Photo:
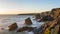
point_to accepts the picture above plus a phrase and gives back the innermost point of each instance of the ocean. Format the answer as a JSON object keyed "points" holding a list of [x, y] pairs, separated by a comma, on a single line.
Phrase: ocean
{"points": [[6, 20]]}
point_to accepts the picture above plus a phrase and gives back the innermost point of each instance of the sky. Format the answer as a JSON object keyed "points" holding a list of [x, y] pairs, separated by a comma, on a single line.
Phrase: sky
{"points": [[27, 6]]}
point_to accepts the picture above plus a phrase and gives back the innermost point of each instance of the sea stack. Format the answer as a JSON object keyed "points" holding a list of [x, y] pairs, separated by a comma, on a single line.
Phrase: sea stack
{"points": [[28, 21], [13, 27]]}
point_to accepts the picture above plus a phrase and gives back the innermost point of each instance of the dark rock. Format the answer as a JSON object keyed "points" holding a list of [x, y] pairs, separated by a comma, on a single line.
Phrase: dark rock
{"points": [[59, 31], [58, 21], [49, 18], [22, 29], [37, 16], [13, 27], [28, 21], [46, 18], [31, 28], [26, 29]]}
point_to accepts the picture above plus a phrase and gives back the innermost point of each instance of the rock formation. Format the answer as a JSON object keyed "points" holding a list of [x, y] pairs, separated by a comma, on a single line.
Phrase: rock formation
{"points": [[13, 27], [51, 25], [26, 29], [22, 29], [37, 16], [55, 12], [28, 21], [52, 22]]}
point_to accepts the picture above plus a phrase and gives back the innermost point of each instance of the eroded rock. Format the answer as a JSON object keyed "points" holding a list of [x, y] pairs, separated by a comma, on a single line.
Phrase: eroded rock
{"points": [[28, 21], [55, 12], [13, 27], [26, 29], [47, 18], [22, 29]]}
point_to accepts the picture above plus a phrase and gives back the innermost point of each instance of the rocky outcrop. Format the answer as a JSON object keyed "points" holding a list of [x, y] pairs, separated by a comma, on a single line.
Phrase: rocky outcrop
{"points": [[48, 15], [22, 29], [26, 29], [13, 27], [51, 25], [52, 22], [37, 16], [28, 21], [55, 12], [46, 18]]}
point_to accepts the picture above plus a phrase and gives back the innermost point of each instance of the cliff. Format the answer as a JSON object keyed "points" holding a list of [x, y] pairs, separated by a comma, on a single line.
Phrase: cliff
{"points": [[53, 26]]}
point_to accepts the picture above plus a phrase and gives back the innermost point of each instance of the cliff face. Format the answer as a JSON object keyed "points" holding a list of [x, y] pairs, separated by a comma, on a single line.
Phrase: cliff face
{"points": [[53, 26], [55, 12], [48, 15]]}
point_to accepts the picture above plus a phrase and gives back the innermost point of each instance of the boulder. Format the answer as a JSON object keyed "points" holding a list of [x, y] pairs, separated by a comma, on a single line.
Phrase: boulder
{"points": [[28, 21], [13, 27]]}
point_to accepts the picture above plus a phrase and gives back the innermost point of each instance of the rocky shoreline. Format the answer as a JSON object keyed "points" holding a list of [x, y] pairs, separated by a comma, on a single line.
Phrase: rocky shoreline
{"points": [[52, 21], [51, 25]]}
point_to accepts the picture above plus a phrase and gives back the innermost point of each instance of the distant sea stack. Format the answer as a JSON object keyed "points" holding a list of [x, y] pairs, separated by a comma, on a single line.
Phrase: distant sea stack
{"points": [[13, 27], [28, 21]]}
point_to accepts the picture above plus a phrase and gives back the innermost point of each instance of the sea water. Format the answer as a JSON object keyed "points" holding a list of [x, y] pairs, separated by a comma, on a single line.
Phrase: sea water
{"points": [[6, 20]]}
